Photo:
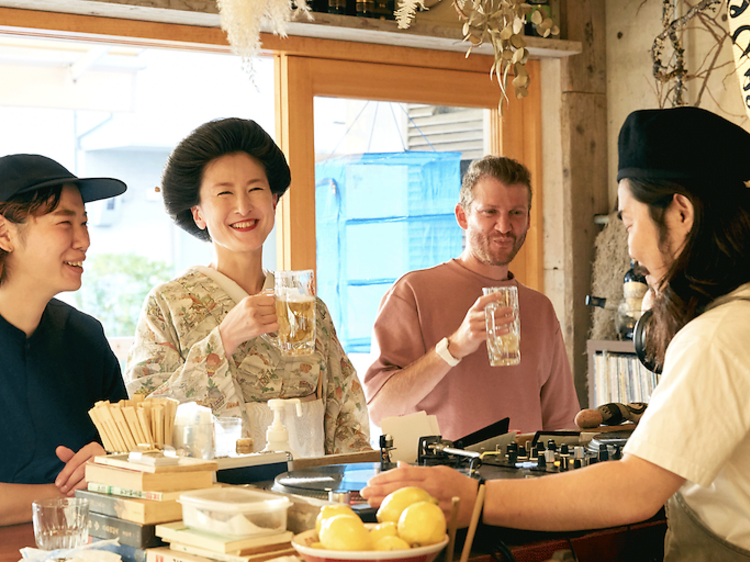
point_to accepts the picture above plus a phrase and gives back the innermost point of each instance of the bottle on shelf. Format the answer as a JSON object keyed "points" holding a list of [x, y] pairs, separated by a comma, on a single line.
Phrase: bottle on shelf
{"points": [[383, 9], [543, 5], [634, 288], [365, 8], [628, 311], [336, 7]]}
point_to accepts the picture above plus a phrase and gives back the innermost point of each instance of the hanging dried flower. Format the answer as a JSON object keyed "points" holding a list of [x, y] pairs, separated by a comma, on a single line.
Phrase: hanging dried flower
{"points": [[501, 23], [242, 21]]}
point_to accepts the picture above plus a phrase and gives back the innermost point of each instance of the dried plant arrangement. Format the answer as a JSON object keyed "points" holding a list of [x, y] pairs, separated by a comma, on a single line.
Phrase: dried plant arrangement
{"points": [[500, 23], [242, 21], [672, 76]]}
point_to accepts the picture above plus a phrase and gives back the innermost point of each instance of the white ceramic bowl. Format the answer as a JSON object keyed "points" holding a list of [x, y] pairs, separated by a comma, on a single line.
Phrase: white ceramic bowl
{"points": [[302, 542]]}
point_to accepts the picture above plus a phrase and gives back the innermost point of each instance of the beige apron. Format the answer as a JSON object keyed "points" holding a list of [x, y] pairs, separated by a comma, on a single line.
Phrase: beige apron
{"points": [[306, 433], [689, 540]]}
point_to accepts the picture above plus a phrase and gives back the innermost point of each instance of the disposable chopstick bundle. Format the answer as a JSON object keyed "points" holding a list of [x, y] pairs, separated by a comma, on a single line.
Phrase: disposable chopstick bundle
{"points": [[128, 424]]}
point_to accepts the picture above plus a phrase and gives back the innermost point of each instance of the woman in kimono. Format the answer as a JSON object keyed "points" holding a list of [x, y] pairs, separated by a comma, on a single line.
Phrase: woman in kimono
{"points": [[685, 204], [202, 336]]}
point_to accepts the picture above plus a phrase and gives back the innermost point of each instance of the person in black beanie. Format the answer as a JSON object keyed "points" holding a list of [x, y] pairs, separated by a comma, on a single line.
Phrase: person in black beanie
{"points": [[56, 362], [685, 204]]}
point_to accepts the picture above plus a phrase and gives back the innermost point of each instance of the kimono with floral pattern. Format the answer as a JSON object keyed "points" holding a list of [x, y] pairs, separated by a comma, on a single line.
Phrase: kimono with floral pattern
{"points": [[178, 352]]}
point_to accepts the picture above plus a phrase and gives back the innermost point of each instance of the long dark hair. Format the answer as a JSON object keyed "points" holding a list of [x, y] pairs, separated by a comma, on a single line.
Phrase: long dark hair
{"points": [[714, 260], [183, 175]]}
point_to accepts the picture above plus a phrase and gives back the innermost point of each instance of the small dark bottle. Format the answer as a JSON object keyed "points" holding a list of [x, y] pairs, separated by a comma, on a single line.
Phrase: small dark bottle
{"points": [[383, 9], [634, 288], [634, 276], [337, 7], [543, 5], [366, 8]]}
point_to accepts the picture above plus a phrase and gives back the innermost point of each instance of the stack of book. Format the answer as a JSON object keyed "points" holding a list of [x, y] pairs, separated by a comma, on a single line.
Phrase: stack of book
{"points": [[190, 545], [128, 499]]}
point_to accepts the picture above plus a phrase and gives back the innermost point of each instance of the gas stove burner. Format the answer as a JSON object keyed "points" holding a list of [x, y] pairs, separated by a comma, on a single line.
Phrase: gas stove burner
{"points": [[319, 481], [609, 439]]}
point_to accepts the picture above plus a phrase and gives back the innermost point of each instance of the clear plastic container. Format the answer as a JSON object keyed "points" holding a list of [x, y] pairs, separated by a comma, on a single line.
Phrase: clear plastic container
{"points": [[234, 512]]}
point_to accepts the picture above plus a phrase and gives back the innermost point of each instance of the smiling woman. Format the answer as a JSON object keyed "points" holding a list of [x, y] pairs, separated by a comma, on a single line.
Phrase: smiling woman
{"points": [[51, 248], [236, 206], [56, 361], [203, 335]]}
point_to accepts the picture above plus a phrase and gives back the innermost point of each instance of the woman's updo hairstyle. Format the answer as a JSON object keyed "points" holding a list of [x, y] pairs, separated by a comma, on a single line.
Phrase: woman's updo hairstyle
{"points": [[183, 174]]}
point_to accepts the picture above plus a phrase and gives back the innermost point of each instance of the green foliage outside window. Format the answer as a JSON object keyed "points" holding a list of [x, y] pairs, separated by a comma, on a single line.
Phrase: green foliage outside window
{"points": [[115, 286]]}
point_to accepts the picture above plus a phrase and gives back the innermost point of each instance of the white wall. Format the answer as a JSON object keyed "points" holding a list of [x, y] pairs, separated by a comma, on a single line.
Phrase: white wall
{"points": [[632, 26]]}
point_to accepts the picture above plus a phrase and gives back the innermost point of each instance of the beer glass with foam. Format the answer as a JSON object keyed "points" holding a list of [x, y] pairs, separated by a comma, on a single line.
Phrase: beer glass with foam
{"points": [[295, 309], [503, 340]]}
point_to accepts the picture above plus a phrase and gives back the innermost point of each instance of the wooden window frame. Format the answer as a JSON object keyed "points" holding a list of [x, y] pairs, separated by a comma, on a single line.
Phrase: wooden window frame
{"points": [[308, 67]]}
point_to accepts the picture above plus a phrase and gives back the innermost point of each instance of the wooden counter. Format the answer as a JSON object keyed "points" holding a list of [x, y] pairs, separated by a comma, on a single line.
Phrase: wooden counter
{"points": [[643, 542], [13, 539]]}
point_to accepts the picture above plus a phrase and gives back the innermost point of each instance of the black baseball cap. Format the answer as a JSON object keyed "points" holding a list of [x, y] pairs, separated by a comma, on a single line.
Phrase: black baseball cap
{"points": [[21, 173]]}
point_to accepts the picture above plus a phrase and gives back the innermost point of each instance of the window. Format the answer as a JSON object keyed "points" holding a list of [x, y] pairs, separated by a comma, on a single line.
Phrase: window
{"points": [[118, 111], [303, 69], [387, 178]]}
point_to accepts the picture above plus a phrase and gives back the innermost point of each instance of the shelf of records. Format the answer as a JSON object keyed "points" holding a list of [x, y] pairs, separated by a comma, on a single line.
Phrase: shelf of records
{"points": [[616, 375]]}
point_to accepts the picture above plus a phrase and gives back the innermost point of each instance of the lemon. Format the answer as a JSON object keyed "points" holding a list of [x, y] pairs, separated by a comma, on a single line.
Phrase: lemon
{"points": [[316, 545], [422, 524], [345, 532], [385, 529], [391, 542], [395, 502], [329, 511]]}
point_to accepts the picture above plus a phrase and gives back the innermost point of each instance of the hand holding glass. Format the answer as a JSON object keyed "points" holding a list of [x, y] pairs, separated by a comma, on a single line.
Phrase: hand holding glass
{"points": [[295, 310], [60, 522], [503, 340]]}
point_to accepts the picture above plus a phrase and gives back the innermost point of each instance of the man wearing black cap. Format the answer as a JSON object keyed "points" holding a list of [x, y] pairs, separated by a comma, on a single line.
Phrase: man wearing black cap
{"points": [[56, 362]]}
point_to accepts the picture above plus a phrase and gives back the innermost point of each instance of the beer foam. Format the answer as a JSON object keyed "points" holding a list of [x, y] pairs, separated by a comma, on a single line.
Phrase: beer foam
{"points": [[293, 295]]}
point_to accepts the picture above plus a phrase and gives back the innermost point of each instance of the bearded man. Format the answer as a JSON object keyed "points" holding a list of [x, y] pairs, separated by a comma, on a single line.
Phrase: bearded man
{"points": [[429, 334]]}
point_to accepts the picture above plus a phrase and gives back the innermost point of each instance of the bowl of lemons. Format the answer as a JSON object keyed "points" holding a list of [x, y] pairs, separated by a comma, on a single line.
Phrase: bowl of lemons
{"points": [[410, 528]]}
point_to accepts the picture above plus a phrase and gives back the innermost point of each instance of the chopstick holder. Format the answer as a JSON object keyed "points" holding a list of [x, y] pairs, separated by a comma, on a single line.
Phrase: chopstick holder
{"points": [[478, 504]]}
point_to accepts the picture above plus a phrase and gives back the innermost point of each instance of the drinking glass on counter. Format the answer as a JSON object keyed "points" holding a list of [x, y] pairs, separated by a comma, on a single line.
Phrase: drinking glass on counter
{"points": [[295, 309], [227, 431], [60, 522], [503, 340]]}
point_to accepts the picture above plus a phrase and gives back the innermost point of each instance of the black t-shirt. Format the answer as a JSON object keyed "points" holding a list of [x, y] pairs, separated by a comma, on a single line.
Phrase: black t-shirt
{"points": [[48, 383]]}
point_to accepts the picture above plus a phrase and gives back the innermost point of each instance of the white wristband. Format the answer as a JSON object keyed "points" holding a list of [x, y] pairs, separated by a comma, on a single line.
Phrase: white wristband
{"points": [[442, 350]]}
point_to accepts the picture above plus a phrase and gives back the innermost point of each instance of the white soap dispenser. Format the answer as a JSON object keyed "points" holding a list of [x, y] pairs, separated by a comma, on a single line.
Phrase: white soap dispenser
{"points": [[277, 436]]}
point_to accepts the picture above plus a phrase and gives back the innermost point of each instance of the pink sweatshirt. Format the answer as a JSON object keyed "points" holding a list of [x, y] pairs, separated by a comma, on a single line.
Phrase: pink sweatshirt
{"points": [[427, 305]]}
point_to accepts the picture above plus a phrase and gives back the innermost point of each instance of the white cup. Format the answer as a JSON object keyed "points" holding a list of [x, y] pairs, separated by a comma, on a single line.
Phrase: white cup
{"points": [[503, 340], [194, 440], [227, 431], [60, 522]]}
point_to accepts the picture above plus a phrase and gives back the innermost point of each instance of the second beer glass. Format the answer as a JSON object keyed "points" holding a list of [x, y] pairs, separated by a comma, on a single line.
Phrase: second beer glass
{"points": [[295, 309], [504, 340]]}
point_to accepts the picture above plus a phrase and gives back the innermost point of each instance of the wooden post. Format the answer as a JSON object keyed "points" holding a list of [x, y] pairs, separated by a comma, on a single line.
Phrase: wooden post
{"points": [[585, 174]]}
